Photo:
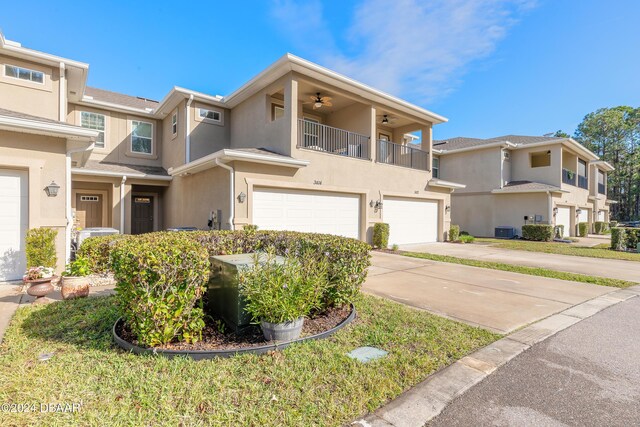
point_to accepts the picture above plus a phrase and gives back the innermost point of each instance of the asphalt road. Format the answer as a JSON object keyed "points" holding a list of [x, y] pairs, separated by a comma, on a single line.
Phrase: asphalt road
{"points": [[586, 375]]}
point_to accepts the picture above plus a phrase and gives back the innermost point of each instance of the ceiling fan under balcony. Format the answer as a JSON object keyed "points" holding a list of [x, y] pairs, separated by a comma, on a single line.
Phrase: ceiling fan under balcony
{"points": [[319, 101], [386, 119]]}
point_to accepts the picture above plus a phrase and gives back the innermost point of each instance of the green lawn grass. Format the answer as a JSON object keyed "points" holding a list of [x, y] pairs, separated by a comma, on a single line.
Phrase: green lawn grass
{"points": [[599, 251], [312, 383], [533, 271]]}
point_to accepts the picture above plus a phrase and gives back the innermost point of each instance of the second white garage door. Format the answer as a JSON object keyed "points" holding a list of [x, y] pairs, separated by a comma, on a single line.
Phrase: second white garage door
{"points": [[563, 217], [411, 220], [14, 218], [308, 211]]}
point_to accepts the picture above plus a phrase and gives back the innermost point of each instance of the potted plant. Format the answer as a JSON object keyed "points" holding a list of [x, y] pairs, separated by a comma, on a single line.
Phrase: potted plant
{"points": [[278, 294], [39, 281], [74, 283]]}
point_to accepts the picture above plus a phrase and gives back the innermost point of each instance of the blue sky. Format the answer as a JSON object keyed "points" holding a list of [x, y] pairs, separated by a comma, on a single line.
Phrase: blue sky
{"points": [[493, 67]]}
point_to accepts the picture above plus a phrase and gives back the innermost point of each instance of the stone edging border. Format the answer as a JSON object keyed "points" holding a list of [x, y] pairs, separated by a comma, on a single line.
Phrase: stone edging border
{"points": [[211, 354], [425, 401]]}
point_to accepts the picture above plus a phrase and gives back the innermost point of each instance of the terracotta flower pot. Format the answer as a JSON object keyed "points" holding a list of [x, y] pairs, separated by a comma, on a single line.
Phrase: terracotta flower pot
{"points": [[74, 287], [39, 288]]}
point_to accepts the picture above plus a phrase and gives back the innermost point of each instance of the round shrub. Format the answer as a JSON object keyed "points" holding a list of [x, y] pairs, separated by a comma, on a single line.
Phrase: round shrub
{"points": [[633, 235], [599, 227], [161, 279], [618, 239], [454, 233], [538, 232], [380, 235], [467, 238], [41, 247], [583, 229]]}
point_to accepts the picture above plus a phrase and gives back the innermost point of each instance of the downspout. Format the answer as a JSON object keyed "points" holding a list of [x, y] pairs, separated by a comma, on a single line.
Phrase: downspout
{"points": [[231, 191], [187, 130], [124, 179], [550, 208], [67, 195], [63, 93]]}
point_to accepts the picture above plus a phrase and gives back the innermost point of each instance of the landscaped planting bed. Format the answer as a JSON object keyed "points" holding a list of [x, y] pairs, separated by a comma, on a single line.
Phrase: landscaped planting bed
{"points": [[310, 383]]}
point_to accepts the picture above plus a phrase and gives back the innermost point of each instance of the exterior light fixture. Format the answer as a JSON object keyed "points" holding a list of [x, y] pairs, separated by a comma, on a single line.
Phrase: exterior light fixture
{"points": [[447, 209], [52, 189], [578, 212], [385, 120], [376, 205], [242, 197], [555, 210], [371, 203]]}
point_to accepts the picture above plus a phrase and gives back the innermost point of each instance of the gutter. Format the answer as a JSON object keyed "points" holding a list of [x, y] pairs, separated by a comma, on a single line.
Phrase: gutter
{"points": [[91, 172], [62, 91], [67, 194], [187, 131], [501, 144], [231, 191], [122, 197]]}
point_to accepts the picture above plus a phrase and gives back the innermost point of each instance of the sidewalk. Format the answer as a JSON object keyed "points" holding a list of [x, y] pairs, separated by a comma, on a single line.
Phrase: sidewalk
{"points": [[422, 403], [612, 268]]}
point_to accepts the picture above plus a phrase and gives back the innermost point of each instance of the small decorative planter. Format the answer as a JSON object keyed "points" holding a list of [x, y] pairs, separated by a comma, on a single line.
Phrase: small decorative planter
{"points": [[286, 331], [74, 287], [40, 288]]}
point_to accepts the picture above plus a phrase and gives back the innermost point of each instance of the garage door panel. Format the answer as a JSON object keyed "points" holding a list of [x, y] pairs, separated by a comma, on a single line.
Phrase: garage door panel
{"points": [[563, 217], [307, 211], [411, 220], [13, 223], [584, 216]]}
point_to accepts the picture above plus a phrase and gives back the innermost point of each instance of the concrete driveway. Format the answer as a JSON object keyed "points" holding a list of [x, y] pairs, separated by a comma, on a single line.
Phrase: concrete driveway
{"points": [[612, 268], [496, 300]]}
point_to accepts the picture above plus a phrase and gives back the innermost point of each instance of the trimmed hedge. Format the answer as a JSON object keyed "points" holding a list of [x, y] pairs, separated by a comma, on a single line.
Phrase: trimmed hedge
{"points": [[583, 229], [538, 232], [454, 233], [40, 247], [161, 279], [97, 250], [600, 227], [380, 235], [618, 239], [633, 235]]}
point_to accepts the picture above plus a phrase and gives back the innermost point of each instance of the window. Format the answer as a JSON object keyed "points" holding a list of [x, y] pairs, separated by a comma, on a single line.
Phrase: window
{"points": [[24, 74], [174, 124], [94, 121], [89, 198], [211, 115], [601, 185], [582, 174], [541, 159], [277, 111], [141, 137], [435, 168]]}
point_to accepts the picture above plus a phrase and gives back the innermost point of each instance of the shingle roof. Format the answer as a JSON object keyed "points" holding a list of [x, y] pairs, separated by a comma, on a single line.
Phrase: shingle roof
{"points": [[519, 186], [120, 98], [462, 142], [18, 115], [124, 168], [262, 151]]}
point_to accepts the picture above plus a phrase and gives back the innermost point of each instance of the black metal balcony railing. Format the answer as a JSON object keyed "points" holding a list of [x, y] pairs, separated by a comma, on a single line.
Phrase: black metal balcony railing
{"points": [[315, 136], [568, 177], [601, 189], [402, 155], [583, 182]]}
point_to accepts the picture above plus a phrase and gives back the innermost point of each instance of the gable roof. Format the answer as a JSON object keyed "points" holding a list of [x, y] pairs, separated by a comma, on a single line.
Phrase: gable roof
{"points": [[462, 142], [120, 98], [527, 187]]}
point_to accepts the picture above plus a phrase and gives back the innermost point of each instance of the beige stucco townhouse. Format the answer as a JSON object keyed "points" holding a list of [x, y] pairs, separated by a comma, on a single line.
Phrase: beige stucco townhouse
{"points": [[298, 147], [549, 180]]}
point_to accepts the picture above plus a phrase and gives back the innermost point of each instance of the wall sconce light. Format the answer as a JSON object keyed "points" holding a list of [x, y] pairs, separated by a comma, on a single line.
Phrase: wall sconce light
{"points": [[578, 212], [555, 211], [52, 189], [376, 205], [447, 209], [242, 197]]}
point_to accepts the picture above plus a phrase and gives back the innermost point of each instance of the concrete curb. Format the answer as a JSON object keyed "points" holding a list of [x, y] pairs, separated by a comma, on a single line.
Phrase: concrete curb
{"points": [[426, 400]]}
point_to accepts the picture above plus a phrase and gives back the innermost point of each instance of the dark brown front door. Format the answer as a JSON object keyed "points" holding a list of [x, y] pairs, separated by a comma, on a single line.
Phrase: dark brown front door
{"points": [[89, 210], [142, 215]]}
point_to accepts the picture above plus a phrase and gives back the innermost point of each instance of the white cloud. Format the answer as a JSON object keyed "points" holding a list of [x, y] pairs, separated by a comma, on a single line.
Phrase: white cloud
{"points": [[416, 49]]}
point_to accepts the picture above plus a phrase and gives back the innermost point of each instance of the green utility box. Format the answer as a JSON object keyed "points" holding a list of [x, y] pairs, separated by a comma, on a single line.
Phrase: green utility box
{"points": [[223, 296]]}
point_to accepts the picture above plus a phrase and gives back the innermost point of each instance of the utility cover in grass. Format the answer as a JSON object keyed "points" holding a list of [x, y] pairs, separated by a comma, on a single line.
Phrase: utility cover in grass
{"points": [[367, 354]]}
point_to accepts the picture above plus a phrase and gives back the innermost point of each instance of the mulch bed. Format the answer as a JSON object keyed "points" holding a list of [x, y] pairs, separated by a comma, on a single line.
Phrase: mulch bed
{"points": [[214, 339]]}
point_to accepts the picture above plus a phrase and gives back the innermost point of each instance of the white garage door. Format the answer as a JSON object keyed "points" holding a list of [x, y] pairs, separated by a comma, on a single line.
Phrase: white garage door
{"points": [[411, 220], [14, 219], [584, 215], [600, 215], [308, 211], [563, 217]]}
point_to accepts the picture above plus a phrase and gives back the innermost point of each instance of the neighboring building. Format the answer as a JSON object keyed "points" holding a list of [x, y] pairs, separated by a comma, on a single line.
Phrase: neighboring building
{"points": [[269, 154], [550, 180]]}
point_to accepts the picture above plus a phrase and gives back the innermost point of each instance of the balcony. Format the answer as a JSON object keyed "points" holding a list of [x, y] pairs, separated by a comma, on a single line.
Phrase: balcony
{"points": [[402, 155], [568, 177], [601, 189], [583, 182], [327, 139]]}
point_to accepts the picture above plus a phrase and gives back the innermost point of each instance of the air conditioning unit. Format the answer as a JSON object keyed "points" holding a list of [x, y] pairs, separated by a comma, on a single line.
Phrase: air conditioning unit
{"points": [[505, 232], [93, 232]]}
